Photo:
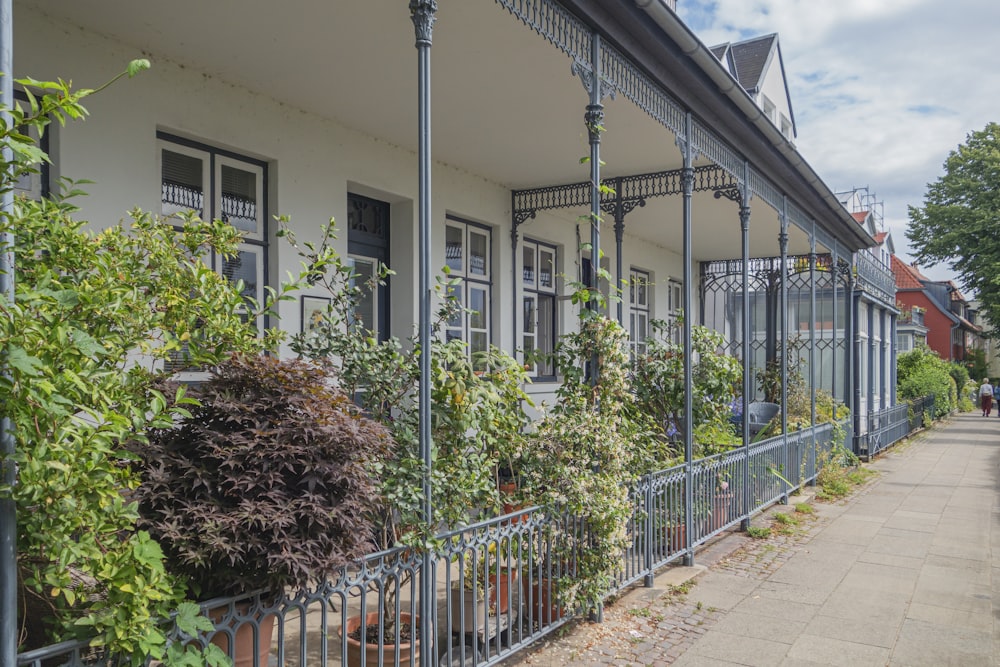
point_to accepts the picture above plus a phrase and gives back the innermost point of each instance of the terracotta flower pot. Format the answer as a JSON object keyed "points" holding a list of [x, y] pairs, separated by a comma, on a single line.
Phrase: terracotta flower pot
{"points": [[508, 489], [243, 649], [355, 648], [675, 537], [720, 510], [544, 606]]}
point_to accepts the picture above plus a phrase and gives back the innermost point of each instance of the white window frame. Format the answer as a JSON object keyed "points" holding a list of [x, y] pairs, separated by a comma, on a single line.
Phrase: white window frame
{"points": [[639, 310], [472, 281], [535, 290]]}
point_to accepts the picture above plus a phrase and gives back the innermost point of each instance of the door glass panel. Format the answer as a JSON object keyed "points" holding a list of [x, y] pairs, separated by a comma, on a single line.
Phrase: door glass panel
{"points": [[366, 311], [546, 269], [477, 253], [477, 345], [239, 198], [528, 255], [477, 302], [456, 320], [182, 186], [546, 326], [243, 266], [453, 248], [529, 315]]}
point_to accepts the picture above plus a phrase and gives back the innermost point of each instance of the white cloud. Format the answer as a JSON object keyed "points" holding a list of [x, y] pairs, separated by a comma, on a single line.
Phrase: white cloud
{"points": [[882, 90]]}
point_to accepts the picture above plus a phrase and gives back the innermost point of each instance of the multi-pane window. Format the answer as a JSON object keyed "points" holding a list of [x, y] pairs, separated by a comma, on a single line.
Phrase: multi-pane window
{"points": [[467, 255], [217, 184], [538, 316], [675, 309], [640, 289]]}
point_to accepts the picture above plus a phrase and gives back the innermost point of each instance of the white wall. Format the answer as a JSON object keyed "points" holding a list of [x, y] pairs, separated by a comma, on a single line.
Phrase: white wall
{"points": [[313, 163], [773, 87]]}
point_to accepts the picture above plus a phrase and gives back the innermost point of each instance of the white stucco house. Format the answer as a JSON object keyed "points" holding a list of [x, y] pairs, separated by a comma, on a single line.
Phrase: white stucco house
{"points": [[310, 111]]}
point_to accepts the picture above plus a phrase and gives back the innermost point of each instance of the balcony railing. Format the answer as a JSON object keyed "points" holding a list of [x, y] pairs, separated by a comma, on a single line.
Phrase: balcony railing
{"points": [[875, 278]]}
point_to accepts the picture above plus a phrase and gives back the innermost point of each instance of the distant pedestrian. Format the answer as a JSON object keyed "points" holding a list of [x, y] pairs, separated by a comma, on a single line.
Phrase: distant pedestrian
{"points": [[996, 395], [986, 397]]}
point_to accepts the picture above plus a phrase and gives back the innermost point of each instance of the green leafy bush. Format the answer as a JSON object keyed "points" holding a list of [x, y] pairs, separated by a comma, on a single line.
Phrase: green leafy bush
{"points": [[477, 404], [921, 372], [580, 458], [658, 382]]}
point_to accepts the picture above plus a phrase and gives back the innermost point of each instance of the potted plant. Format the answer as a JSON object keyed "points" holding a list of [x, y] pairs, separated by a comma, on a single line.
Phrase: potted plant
{"points": [[266, 485], [484, 591]]}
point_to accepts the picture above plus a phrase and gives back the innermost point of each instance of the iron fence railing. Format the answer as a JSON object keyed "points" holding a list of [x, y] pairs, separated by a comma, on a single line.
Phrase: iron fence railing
{"points": [[888, 426], [496, 581]]}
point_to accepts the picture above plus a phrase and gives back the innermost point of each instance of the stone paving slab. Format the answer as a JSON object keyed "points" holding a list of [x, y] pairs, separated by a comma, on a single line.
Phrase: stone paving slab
{"points": [[900, 574]]}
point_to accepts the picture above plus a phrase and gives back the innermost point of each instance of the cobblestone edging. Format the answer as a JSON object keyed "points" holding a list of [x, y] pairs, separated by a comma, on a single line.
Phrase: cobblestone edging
{"points": [[654, 627]]}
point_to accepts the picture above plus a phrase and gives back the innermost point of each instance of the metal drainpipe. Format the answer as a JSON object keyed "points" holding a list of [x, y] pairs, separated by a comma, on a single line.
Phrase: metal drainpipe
{"points": [[687, 181], [8, 509], [422, 12]]}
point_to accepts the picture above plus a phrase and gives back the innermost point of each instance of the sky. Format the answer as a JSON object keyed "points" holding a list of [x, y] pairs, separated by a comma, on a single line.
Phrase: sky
{"points": [[882, 90]]}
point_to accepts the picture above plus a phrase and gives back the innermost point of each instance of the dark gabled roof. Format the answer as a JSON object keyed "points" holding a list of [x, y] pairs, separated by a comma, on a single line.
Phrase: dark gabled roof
{"points": [[720, 50], [748, 59]]}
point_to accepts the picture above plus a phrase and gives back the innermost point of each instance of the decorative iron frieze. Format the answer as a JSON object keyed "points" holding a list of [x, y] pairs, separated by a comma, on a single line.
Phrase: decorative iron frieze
{"points": [[630, 191]]}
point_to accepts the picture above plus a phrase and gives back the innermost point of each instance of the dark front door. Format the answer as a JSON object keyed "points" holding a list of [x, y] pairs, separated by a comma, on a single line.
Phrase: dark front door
{"points": [[367, 248]]}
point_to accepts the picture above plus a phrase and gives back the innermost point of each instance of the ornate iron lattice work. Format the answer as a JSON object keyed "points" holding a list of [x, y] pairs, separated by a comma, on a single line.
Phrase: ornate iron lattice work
{"points": [[630, 191], [563, 30], [711, 147], [640, 90], [763, 188], [722, 310], [798, 218]]}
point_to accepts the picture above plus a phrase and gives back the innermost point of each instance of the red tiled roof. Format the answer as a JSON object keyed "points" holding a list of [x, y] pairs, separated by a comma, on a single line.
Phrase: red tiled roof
{"points": [[880, 237], [860, 217], [907, 277]]}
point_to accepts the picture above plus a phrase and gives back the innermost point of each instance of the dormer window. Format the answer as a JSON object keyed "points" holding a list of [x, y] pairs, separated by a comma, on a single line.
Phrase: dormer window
{"points": [[768, 107]]}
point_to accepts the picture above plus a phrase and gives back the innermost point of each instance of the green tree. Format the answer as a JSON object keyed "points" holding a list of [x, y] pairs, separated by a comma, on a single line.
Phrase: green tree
{"points": [[959, 219]]}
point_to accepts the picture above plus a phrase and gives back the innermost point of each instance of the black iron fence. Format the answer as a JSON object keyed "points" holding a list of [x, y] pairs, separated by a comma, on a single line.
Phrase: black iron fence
{"points": [[497, 582]]}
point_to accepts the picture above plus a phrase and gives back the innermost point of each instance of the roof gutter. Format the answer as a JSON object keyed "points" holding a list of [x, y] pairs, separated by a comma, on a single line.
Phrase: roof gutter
{"points": [[692, 47]]}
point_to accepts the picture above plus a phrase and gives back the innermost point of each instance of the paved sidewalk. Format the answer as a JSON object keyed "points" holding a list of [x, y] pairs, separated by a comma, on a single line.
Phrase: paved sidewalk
{"points": [[899, 574]]}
